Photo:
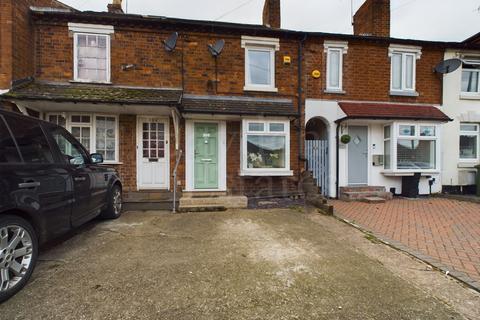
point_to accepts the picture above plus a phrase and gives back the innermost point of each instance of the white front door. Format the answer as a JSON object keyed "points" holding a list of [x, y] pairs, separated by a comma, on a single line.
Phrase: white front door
{"points": [[153, 153]]}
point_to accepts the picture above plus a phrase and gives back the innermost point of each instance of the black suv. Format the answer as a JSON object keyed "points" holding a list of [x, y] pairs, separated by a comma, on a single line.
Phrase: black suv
{"points": [[49, 184]]}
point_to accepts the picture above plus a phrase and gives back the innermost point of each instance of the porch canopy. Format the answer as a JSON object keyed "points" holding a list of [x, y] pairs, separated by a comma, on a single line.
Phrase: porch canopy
{"points": [[51, 97], [235, 106], [385, 111]]}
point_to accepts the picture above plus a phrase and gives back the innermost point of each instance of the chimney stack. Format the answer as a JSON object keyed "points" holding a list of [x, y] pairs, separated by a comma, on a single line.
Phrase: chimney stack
{"points": [[272, 14], [373, 19], [115, 7]]}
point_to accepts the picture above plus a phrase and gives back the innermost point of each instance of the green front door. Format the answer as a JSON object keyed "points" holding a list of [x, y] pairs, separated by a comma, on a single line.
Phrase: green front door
{"points": [[206, 156]]}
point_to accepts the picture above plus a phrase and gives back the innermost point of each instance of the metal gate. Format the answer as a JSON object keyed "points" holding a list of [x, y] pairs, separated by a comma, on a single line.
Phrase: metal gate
{"points": [[317, 162]]}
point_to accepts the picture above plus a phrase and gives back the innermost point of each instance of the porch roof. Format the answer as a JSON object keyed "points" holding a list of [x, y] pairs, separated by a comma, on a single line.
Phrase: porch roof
{"points": [[90, 93], [386, 111], [237, 105]]}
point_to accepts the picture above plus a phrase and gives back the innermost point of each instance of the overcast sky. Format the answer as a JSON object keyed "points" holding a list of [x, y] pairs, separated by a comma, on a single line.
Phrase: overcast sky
{"points": [[448, 20]]}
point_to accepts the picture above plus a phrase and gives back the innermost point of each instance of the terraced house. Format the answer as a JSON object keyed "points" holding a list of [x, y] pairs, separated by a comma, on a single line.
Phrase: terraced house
{"points": [[214, 104], [224, 111]]}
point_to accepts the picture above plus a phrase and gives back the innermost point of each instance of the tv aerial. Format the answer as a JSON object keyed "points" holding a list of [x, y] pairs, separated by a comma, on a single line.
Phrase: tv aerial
{"points": [[217, 48], [448, 66], [171, 43]]}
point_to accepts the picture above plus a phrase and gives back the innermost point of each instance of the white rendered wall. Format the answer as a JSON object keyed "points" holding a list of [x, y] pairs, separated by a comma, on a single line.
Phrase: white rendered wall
{"points": [[454, 171]]}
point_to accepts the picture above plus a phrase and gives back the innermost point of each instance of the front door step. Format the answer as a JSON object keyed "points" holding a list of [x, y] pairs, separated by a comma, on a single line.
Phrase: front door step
{"points": [[147, 200], [363, 192], [188, 203]]}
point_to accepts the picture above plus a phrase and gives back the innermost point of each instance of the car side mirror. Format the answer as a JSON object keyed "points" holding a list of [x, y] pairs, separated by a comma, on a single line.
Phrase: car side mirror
{"points": [[96, 158]]}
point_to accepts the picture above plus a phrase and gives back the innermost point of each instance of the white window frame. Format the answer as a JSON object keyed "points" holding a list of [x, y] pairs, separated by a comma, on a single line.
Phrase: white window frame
{"points": [[92, 30], [245, 171], [469, 134], [395, 136], [93, 129], [474, 62], [342, 48], [389, 139], [270, 45], [404, 51]]}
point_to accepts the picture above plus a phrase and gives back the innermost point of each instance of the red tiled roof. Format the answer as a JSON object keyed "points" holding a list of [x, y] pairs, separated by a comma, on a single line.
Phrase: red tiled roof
{"points": [[361, 110]]}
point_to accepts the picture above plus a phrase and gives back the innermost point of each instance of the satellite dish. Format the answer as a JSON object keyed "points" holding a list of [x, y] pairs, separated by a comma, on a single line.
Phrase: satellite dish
{"points": [[171, 42], [448, 66], [217, 48]]}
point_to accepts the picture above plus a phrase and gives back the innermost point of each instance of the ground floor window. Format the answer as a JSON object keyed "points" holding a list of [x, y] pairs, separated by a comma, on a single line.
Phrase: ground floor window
{"points": [[469, 141], [96, 132], [410, 147], [266, 147]]}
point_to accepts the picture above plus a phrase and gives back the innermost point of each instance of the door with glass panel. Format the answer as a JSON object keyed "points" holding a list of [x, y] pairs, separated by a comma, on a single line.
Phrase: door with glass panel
{"points": [[153, 155], [206, 156], [358, 155]]}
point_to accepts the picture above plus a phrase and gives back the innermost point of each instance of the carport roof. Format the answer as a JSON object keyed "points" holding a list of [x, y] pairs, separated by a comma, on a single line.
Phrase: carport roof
{"points": [[238, 105], [75, 92], [387, 111]]}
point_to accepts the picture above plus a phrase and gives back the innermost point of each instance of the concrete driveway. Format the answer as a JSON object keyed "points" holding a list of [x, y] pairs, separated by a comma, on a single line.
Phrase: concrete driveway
{"points": [[261, 264]]}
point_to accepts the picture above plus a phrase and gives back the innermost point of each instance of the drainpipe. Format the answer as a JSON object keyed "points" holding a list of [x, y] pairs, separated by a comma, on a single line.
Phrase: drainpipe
{"points": [[337, 159], [300, 101]]}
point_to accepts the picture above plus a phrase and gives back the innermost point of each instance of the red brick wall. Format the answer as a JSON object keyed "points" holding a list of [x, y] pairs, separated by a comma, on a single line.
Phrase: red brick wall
{"points": [[154, 67], [6, 26], [373, 18], [366, 73], [17, 39], [272, 13]]}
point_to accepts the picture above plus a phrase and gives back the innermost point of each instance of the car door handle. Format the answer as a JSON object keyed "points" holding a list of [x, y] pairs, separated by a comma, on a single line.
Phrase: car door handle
{"points": [[29, 185], [78, 179]]}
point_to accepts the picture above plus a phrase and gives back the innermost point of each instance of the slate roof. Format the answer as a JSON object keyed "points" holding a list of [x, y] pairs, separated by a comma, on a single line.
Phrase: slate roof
{"points": [[93, 94], [229, 105], [361, 110]]}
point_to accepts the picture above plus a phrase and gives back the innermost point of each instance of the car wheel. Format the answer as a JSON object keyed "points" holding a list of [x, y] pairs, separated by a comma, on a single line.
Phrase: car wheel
{"points": [[18, 254], [114, 206]]}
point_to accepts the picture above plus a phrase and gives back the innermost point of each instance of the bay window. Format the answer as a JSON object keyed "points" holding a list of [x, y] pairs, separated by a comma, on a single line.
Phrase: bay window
{"points": [[469, 141], [97, 133], [260, 63], [411, 147], [266, 147]]}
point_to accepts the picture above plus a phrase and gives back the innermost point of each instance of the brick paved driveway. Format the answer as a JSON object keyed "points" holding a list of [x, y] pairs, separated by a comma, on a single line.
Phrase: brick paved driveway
{"points": [[446, 230]]}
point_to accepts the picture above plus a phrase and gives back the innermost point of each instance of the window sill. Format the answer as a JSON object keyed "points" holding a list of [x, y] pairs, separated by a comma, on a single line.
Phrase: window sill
{"points": [[471, 164], [333, 91], [404, 93], [91, 82], [406, 173], [466, 96], [266, 173], [259, 89]]}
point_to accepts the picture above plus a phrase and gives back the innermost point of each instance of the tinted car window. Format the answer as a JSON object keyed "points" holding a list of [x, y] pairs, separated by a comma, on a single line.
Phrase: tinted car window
{"points": [[70, 150], [31, 141], [8, 150]]}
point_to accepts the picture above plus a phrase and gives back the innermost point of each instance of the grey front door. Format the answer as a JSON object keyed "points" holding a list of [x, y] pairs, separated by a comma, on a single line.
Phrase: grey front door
{"points": [[358, 155]]}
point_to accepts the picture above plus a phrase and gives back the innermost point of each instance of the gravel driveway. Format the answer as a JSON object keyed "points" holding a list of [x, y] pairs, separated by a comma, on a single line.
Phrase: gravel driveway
{"points": [[249, 264]]}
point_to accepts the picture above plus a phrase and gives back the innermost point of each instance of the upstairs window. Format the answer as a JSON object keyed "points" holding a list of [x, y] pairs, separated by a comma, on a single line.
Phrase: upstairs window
{"points": [[403, 70], [91, 52], [471, 76], [260, 63], [335, 51]]}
